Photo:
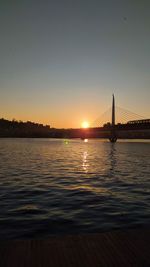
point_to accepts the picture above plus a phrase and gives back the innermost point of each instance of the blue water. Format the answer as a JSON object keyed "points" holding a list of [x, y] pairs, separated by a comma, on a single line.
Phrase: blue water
{"points": [[54, 186]]}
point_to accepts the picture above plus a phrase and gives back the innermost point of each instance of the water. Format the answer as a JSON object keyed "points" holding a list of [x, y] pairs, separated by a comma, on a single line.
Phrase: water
{"points": [[53, 186]]}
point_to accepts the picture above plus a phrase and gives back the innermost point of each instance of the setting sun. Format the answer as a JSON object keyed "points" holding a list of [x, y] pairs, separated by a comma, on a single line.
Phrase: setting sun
{"points": [[85, 124]]}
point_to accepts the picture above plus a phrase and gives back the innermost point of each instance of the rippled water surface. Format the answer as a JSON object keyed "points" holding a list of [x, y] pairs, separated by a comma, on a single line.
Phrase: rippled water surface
{"points": [[53, 186]]}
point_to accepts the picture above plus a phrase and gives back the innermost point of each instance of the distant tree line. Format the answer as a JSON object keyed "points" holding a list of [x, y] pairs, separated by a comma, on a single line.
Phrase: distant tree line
{"points": [[16, 128]]}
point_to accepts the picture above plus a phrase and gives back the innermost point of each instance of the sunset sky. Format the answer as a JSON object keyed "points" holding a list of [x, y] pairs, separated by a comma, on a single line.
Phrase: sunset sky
{"points": [[61, 60]]}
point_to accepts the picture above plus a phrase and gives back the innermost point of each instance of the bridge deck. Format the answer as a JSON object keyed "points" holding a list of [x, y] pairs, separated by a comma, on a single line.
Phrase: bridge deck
{"points": [[118, 248]]}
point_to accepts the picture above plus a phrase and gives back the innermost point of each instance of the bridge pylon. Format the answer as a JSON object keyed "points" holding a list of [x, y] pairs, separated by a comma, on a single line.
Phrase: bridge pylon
{"points": [[113, 137]]}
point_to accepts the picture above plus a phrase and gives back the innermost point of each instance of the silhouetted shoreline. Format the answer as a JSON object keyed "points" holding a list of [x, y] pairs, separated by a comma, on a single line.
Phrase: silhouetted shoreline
{"points": [[19, 129]]}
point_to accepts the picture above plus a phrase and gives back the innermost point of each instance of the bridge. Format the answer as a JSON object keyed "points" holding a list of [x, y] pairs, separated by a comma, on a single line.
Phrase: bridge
{"points": [[129, 125]]}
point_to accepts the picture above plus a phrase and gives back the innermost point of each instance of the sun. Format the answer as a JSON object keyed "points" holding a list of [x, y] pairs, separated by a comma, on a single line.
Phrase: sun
{"points": [[85, 124]]}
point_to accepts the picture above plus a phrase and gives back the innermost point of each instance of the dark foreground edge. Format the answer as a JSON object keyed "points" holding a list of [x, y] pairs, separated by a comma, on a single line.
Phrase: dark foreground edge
{"points": [[117, 248]]}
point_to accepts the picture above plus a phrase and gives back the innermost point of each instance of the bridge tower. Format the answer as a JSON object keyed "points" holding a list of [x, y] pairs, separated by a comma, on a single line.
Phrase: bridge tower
{"points": [[113, 137]]}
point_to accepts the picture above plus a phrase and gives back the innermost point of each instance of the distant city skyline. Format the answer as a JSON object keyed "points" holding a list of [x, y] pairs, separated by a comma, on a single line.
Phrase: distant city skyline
{"points": [[61, 60]]}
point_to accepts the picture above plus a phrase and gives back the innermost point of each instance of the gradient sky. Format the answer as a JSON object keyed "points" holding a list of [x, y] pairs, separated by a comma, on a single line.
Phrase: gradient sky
{"points": [[61, 60]]}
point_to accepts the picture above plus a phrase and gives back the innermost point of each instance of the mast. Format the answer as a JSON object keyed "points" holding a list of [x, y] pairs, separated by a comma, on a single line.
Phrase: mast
{"points": [[113, 111], [113, 137]]}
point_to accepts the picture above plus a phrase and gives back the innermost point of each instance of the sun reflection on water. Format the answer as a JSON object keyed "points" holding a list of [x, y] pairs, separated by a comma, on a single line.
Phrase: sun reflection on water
{"points": [[85, 164]]}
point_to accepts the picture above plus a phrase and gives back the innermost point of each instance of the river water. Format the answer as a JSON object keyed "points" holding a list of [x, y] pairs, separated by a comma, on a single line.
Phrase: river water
{"points": [[55, 186]]}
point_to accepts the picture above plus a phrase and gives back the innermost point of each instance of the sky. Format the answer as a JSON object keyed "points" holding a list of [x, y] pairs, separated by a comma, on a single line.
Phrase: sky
{"points": [[61, 60]]}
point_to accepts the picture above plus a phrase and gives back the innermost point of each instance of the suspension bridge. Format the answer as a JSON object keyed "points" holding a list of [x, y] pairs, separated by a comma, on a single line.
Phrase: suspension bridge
{"points": [[117, 122]]}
